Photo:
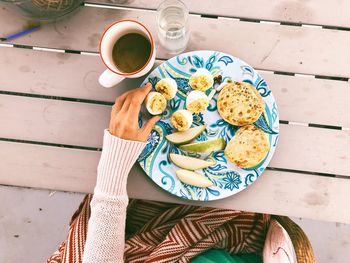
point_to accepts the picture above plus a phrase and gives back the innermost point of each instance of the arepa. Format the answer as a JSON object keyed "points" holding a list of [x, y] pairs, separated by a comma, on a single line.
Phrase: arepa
{"points": [[240, 103], [248, 147]]}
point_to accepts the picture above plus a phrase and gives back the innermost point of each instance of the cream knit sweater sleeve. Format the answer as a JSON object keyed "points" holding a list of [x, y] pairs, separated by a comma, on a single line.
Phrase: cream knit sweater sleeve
{"points": [[106, 229]]}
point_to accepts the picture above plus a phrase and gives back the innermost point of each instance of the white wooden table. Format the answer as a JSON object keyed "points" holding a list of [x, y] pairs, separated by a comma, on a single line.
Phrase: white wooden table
{"points": [[53, 111]]}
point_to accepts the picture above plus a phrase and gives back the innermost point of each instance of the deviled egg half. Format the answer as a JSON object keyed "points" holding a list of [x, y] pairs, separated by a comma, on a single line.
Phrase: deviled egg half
{"points": [[155, 103], [201, 80], [167, 87], [181, 120], [197, 101]]}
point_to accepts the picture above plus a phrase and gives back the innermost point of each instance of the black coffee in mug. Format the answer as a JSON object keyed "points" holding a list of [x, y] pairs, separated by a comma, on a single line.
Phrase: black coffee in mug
{"points": [[131, 52]]}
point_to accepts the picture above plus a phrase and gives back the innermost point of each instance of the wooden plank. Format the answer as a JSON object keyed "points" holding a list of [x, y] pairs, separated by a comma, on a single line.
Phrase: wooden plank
{"points": [[311, 100], [309, 12], [23, 217], [53, 121], [291, 194], [82, 124], [299, 99], [337, 235], [33, 222], [265, 46], [56, 74], [313, 149]]}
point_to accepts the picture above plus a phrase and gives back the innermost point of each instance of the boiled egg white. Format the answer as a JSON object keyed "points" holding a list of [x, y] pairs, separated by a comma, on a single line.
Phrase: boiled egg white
{"points": [[197, 101], [181, 120], [201, 80], [155, 103], [167, 87]]}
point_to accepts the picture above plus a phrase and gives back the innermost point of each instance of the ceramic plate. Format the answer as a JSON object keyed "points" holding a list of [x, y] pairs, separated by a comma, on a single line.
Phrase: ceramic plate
{"points": [[228, 179]]}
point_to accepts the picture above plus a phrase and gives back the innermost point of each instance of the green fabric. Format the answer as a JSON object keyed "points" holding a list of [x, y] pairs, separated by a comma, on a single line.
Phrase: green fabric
{"points": [[221, 256]]}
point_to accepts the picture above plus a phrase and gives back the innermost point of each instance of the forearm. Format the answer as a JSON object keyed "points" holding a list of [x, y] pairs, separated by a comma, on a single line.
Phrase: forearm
{"points": [[106, 230]]}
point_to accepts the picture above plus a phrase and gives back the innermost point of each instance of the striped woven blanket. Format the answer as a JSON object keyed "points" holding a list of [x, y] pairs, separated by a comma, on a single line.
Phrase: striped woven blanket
{"points": [[161, 232]]}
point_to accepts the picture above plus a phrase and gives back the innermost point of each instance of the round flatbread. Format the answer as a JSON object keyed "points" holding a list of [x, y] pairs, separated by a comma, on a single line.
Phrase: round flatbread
{"points": [[248, 147], [240, 103]]}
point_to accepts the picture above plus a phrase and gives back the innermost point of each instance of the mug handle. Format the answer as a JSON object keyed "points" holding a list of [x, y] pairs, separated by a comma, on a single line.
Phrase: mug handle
{"points": [[109, 79]]}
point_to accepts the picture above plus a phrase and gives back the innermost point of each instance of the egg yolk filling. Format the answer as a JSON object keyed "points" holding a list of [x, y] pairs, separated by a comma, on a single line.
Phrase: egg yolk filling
{"points": [[179, 121], [198, 105], [201, 83], [164, 89], [157, 104]]}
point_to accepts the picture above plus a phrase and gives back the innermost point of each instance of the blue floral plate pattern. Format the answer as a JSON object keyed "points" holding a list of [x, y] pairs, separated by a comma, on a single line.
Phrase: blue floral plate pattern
{"points": [[227, 178]]}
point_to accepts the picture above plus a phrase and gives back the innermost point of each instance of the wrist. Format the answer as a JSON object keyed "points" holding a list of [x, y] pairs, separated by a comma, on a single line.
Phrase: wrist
{"points": [[117, 158]]}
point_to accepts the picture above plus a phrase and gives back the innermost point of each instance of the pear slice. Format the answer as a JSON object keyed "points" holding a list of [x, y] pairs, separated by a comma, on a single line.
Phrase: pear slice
{"points": [[185, 136], [189, 163], [192, 178], [205, 146]]}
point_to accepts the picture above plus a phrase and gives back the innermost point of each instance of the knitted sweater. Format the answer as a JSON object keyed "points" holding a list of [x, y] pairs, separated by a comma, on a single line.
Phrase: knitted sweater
{"points": [[106, 230]]}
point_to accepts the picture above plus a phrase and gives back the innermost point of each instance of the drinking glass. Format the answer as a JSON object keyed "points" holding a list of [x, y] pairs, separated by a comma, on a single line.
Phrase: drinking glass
{"points": [[173, 29]]}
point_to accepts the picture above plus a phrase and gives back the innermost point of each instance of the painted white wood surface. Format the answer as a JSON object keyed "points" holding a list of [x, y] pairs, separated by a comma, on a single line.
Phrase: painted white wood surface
{"points": [[299, 99], [82, 124], [326, 12], [33, 222], [264, 46], [282, 193], [330, 241], [53, 121]]}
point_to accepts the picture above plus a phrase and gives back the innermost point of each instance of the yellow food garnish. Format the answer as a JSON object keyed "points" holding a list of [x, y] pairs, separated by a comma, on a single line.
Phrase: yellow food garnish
{"points": [[164, 88], [158, 103], [198, 105], [179, 121], [201, 83]]}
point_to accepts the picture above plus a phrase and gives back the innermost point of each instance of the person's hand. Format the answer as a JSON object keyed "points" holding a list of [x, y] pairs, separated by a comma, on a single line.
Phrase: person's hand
{"points": [[125, 112]]}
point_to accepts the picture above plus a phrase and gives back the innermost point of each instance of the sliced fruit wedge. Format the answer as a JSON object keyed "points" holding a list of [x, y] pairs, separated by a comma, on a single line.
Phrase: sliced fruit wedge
{"points": [[205, 146], [192, 178], [190, 163], [185, 136]]}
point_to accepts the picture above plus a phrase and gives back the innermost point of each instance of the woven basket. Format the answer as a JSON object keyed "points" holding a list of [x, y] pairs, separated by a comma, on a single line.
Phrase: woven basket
{"points": [[283, 235], [302, 246], [44, 10]]}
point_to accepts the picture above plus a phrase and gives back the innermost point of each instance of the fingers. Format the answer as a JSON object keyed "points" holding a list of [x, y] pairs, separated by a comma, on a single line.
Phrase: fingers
{"points": [[132, 97], [119, 101], [138, 95], [128, 105], [136, 101], [145, 90], [149, 125]]}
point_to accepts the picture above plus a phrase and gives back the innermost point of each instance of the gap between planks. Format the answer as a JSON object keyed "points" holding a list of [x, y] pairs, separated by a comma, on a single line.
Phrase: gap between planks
{"points": [[291, 194], [94, 149], [232, 18], [108, 103], [90, 53], [78, 52], [256, 51]]}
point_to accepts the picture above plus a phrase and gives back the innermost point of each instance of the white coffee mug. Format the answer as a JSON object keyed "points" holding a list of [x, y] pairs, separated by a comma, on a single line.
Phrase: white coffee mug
{"points": [[112, 75]]}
